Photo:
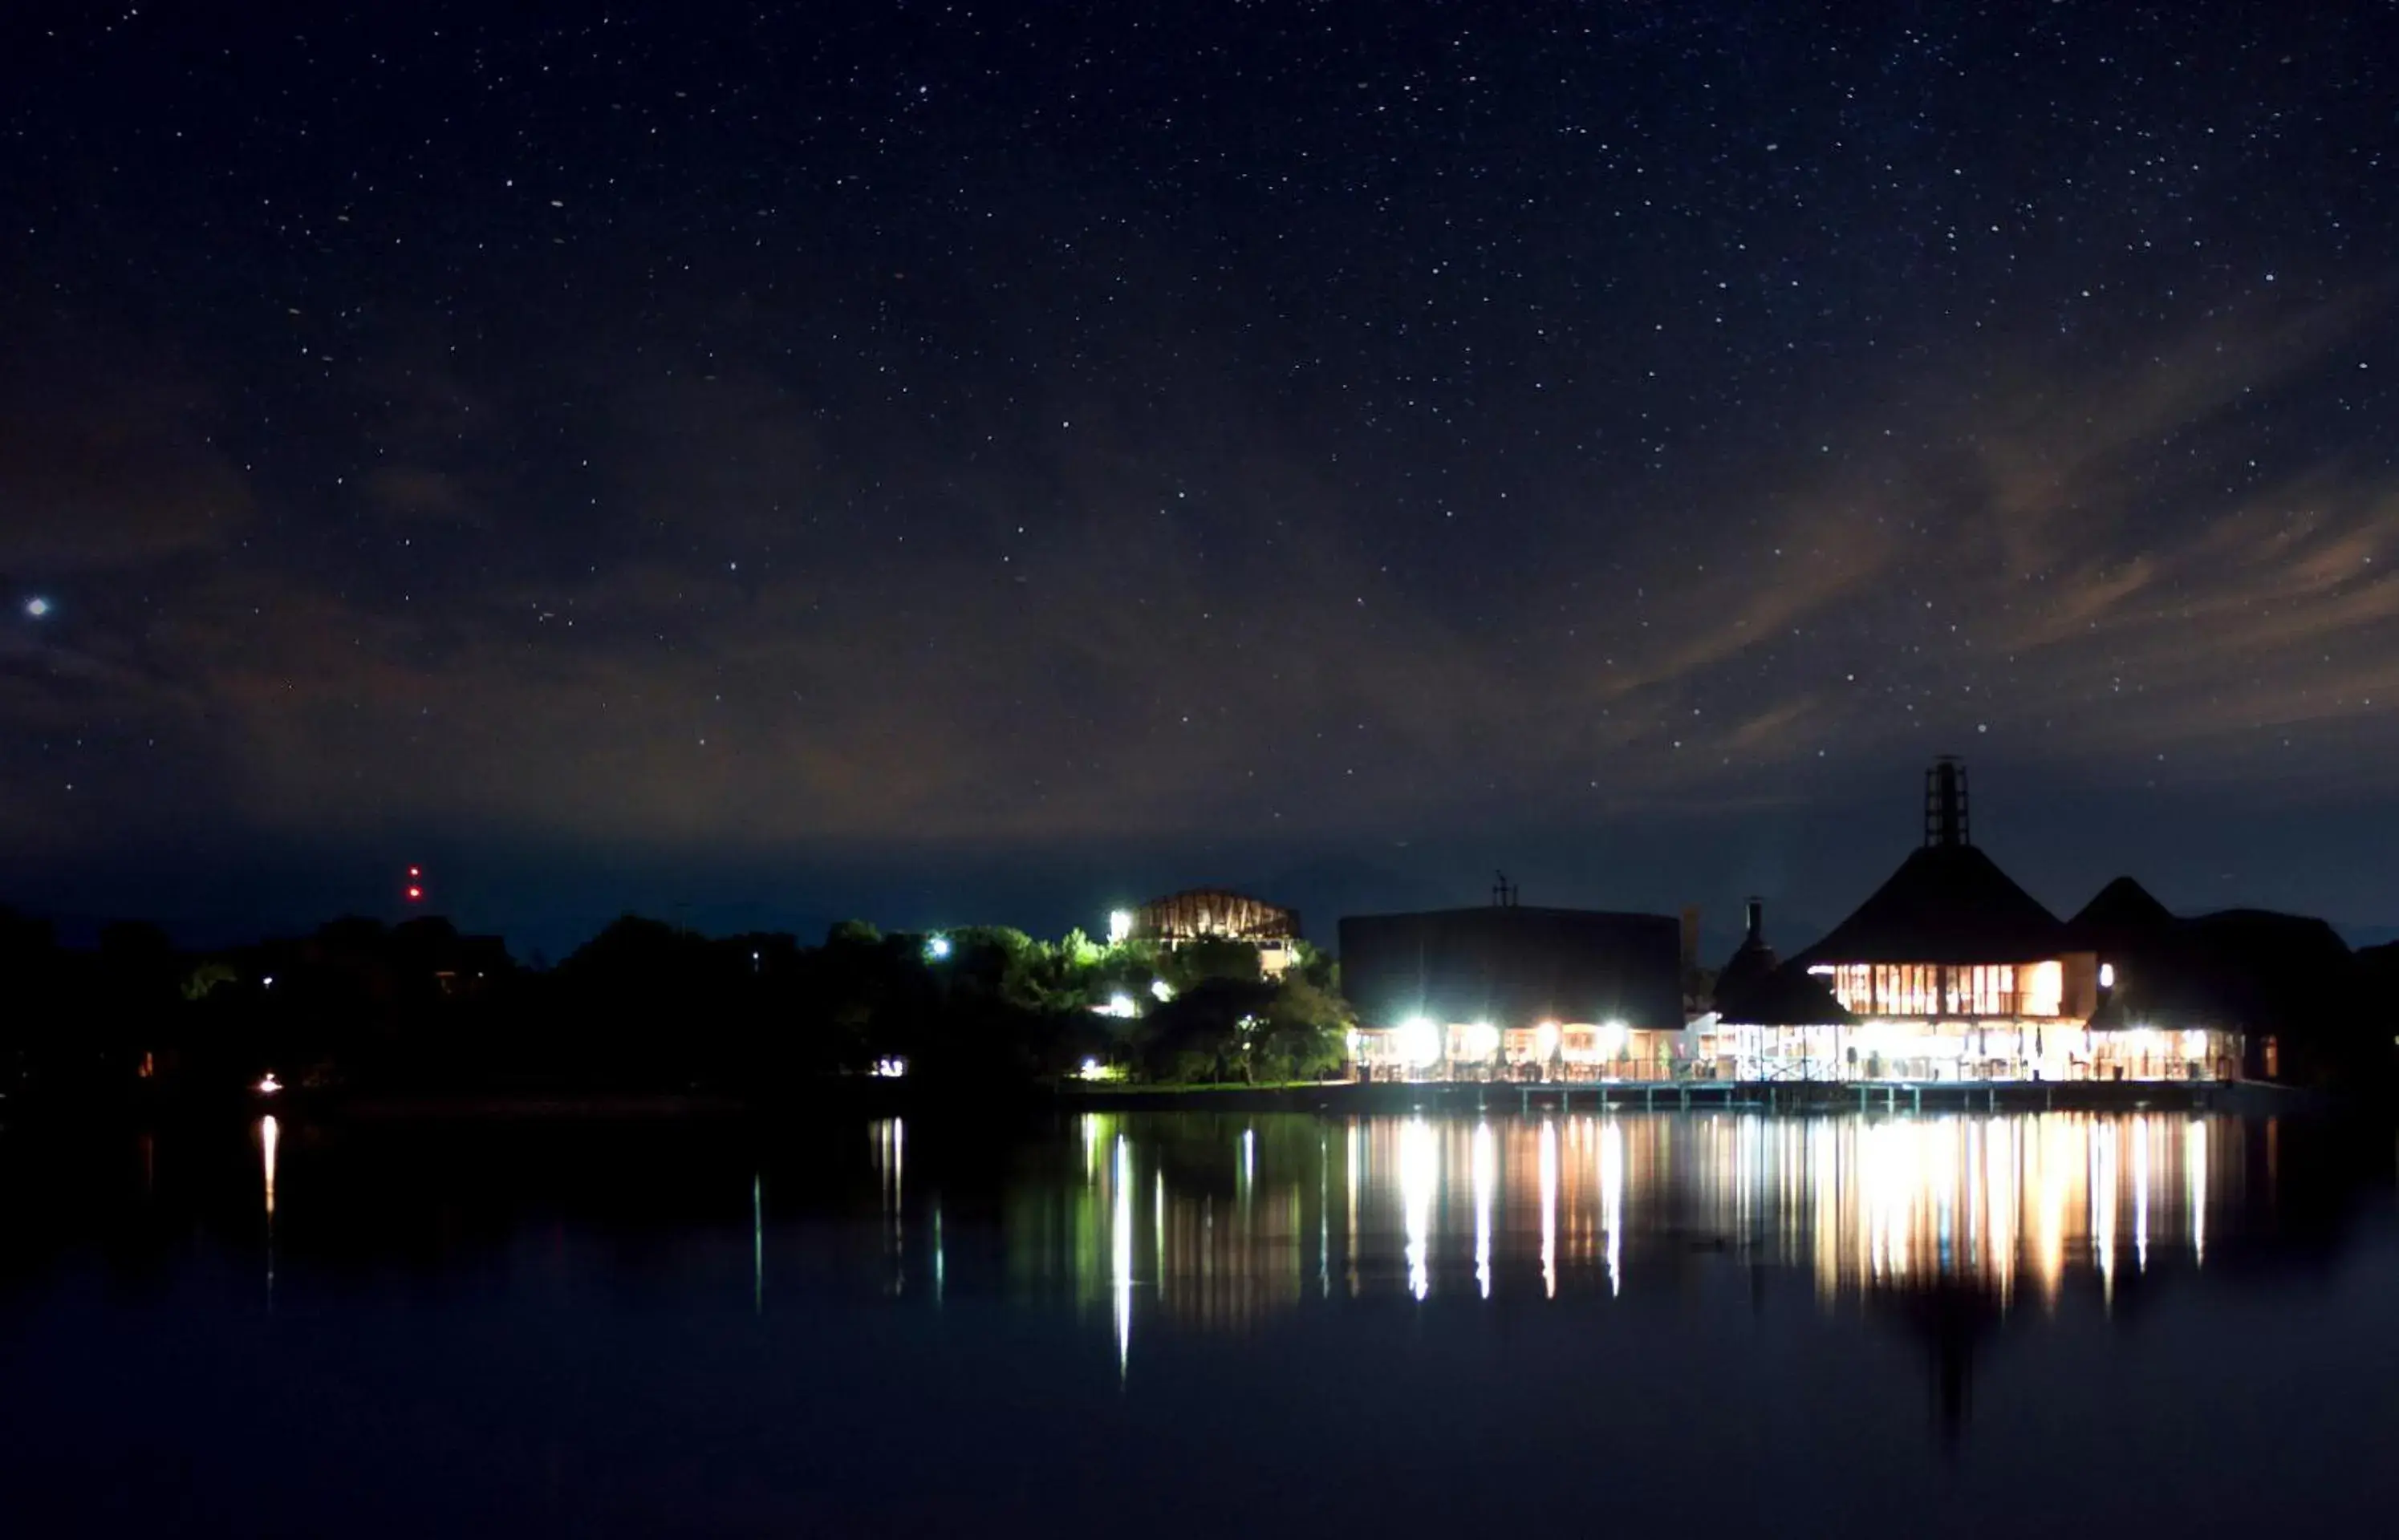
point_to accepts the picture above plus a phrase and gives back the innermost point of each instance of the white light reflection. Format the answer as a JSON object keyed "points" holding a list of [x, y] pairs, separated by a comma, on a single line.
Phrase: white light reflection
{"points": [[270, 1134], [1485, 1180], [2103, 1207], [1353, 1143], [2003, 1200], [1897, 1171], [2025, 1207], [1323, 1218], [1549, 1210], [2140, 1194], [890, 1162], [758, 1245], [1611, 1200], [1120, 1253], [2057, 1165], [1419, 1180]]}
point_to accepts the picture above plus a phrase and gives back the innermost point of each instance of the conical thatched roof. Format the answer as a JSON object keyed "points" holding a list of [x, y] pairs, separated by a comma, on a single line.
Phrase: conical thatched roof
{"points": [[2123, 913], [1786, 996], [1753, 989], [1751, 962], [1947, 903], [2248, 969]]}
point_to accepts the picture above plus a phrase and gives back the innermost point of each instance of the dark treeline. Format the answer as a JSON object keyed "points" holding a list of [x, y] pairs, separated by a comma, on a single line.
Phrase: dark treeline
{"points": [[645, 1006]]}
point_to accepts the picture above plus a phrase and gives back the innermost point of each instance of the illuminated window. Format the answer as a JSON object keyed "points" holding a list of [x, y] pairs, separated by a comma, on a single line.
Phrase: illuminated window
{"points": [[2045, 990]]}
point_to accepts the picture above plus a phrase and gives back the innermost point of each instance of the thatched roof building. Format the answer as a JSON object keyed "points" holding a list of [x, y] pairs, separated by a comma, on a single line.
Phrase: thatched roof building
{"points": [[1754, 989], [1944, 904], [2121, 914], [1214, 913], [1948, 903]]}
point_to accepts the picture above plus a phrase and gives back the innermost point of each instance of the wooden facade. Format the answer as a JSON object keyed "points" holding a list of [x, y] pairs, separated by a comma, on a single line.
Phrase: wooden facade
{"points": [[1214, 913]]}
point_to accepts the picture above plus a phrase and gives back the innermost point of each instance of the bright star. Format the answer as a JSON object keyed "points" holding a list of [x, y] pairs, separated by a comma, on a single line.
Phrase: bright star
{"points": [[37, 607]]}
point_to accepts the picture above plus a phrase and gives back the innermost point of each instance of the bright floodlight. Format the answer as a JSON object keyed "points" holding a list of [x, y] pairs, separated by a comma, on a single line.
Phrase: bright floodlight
{"points": [[268, 1085], [937, 946], [1119, 927], [2107, 975], [1610, 1039], [1482, 1040], [1545, 1040], [1418, 1041], [1160, 991], [1119, 1006]]}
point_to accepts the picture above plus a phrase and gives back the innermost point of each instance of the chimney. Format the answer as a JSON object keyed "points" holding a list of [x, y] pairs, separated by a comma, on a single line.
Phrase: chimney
{"points": [[1944, 802], [1754, 911]]}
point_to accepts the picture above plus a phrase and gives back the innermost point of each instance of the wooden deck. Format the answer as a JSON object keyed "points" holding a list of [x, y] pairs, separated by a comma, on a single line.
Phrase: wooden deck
{"points": [[1863, 1096]]}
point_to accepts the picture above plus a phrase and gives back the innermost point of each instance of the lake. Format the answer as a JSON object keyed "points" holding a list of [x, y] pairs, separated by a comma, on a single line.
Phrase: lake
{"points": [[1190, 1323]]}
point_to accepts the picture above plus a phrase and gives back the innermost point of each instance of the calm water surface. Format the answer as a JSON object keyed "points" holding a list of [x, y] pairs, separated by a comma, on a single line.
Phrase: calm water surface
{"points": [[1193, 1324]]}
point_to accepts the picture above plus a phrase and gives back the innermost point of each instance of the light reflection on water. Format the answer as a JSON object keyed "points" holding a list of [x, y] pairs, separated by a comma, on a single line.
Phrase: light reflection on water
{"points": [[890, 1136], [1247, 1216], [1548, 1206], [1486, 1168], [1146, 1292], [270, 1135], [1419, 1172], [1120, 1249]]}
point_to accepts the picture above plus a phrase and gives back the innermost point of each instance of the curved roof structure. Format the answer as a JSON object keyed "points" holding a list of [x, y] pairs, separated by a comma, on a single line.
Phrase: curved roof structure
{"points": [[1214, 912]]}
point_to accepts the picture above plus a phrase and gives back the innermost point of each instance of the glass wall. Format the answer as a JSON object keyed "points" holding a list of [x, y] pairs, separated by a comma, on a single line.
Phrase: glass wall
{"points": [[2020, 1050], [1935, 989]]}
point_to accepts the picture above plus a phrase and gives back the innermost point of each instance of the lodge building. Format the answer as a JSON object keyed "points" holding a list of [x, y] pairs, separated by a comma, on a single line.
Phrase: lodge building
{"points": [[1515, 993], [1214, 914], [1950, 971]]}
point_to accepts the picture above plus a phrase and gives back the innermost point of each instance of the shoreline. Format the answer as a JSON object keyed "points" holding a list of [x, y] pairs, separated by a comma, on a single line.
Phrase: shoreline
{"points": [[2250, 1098], [1341, 1098]]}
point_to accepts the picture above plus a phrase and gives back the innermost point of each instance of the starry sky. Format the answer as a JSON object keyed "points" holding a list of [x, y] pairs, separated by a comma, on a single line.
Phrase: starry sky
{"points": [[953, 462]]}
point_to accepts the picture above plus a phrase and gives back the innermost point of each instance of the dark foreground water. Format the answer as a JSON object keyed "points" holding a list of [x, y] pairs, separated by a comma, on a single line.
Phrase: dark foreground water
{"points": [[1196, 1324]]}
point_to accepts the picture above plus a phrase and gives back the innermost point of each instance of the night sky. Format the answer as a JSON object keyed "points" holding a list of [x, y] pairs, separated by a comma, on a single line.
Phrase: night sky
{"points": [[951, 463]]}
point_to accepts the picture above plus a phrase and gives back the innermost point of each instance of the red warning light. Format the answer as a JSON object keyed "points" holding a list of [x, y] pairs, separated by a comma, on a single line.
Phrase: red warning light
{"points": [[416, 871], [414, 893]]}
